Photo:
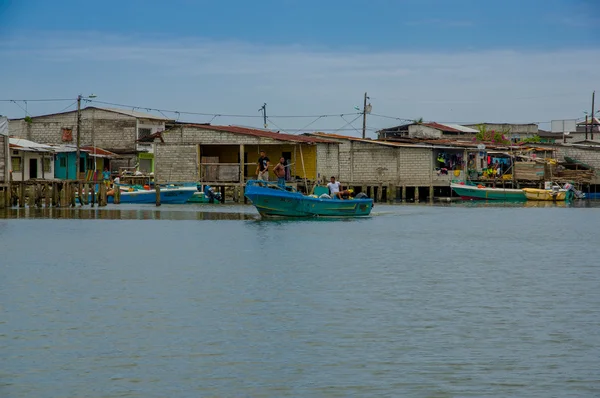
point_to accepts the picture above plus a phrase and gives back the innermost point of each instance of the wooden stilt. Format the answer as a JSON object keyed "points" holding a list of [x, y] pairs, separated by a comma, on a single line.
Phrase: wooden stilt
{"points": [[157, 188], [431, 192], [47, 199], [22, 195], [93, 194], [416, 194], [80, 194], [102, 201], [72, 194], [117, 195], [380, 192], [404, 193]]}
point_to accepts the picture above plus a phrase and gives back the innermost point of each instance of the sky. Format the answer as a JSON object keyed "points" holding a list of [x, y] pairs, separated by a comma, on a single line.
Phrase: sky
{"points": [[462, 61]]}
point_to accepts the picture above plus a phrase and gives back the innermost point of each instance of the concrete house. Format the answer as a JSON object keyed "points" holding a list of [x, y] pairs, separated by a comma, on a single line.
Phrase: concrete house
{"points": [[227, 155], [116, 130], [390, 170], [4, 158], [428, 130], [514, 132], [30, 160]]}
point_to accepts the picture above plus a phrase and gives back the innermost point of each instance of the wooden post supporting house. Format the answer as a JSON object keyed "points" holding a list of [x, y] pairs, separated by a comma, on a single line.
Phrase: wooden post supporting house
{"points": [[380, 192], [80, 193], [157, 189], [404, 193], [199, 160], [416, 194], [117, 195], [72, 194], [431, 192], [242, 177], [93, 194], [22, 193]]}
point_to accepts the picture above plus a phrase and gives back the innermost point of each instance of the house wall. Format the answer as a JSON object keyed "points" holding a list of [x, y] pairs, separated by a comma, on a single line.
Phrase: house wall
{"points": [[328, 161], [4, 160], [108, 130], [420, 131], [25, 165], [60, 172], [370, 163]]}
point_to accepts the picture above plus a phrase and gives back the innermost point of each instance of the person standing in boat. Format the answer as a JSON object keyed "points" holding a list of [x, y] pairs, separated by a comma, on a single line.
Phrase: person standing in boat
{"points": [[279, 171], [262, 170]]}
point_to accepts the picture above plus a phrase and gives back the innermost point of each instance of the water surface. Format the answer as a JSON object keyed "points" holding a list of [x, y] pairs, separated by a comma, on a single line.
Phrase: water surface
{"points": [[198, 301]]}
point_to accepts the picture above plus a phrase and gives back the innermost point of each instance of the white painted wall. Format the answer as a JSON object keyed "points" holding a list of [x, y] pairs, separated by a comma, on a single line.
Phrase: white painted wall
{"points": [[155, 126], [421, 131], [17, 176]]}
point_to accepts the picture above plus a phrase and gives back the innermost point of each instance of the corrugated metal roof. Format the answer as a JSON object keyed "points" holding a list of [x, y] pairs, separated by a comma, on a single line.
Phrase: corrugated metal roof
{"points": [[136, 114], [441, 127], [461, 128], [98, 152], [28, 146], [261, 133], [406, 143]]}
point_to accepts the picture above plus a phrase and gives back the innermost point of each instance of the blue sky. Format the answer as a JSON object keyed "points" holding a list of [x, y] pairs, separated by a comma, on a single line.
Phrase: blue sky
{"points": [[459, 60]]}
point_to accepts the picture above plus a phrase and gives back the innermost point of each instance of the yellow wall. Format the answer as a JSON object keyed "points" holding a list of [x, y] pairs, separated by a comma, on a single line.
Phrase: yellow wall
{"points": [[230, 154]]}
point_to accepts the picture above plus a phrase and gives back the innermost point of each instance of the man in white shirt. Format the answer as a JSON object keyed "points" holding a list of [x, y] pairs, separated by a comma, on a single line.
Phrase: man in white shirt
{"points": [[334, 188]]}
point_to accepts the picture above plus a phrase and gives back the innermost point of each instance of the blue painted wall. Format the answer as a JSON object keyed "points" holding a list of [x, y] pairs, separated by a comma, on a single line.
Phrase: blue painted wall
{"points": [[66, 160]]}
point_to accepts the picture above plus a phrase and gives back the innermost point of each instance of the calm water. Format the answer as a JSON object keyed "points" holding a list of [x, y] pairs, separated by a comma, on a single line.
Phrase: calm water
{"points": [[415, 301]]}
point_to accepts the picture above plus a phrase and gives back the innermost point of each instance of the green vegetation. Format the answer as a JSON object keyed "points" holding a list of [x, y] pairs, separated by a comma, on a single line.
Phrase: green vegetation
{"points": [[495, 137]]}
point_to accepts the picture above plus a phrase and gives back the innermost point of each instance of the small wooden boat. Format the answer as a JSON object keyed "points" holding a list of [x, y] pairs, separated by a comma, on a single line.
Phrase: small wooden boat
{"points": [[271, 200], [545, 194], [472, 192]]}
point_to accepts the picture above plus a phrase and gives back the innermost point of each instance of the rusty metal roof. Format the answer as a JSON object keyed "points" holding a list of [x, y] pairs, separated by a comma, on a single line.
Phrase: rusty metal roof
{"points": [[98, 152], [262, 133]]}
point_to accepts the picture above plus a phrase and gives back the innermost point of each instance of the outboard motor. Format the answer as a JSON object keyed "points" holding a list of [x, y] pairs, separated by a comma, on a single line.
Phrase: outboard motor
{"points": [[212, 196]]}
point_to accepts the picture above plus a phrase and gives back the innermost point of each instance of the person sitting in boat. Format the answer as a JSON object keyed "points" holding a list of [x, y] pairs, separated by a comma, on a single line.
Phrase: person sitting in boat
{"points": [[336, 191]]}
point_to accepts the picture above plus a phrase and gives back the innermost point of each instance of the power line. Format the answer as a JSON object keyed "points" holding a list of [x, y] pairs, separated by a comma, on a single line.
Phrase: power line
{"points": [[211, 114], [37, 100]]}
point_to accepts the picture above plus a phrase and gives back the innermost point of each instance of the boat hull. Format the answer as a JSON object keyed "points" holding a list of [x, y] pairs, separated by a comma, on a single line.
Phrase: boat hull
{"points": [[200, 197], [544, 194], [279, 203], [469, 192], [167, 196]]}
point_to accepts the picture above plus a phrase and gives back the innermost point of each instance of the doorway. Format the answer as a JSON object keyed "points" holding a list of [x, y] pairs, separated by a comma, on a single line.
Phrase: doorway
{"points": [[33, 168], [288, 161]]}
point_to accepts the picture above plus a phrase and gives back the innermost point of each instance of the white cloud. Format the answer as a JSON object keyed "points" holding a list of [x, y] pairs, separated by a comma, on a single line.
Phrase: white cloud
{"points": [[236, 77]]}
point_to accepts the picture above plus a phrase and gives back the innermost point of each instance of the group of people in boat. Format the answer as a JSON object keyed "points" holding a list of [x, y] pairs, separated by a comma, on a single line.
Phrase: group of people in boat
{"points": [[262, 174]]}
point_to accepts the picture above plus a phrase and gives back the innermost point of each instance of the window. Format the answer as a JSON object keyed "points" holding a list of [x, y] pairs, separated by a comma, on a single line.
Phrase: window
{"points": [[143, 133], [63, 162], [16, 164], [47, 165]]}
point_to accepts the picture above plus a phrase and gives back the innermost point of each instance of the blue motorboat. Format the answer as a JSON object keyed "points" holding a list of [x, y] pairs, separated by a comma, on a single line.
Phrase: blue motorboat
{"points": [[271, 199], [168, 195]]}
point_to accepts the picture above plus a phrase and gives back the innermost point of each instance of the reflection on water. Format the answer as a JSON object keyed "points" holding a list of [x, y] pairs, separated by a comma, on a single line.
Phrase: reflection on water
{"points": [[123, 214], [239, 212]]}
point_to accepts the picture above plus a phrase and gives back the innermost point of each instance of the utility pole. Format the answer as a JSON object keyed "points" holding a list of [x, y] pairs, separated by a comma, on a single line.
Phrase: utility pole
{"points": [[365, 117], [77, 153], [263, 109], [593, 120]]}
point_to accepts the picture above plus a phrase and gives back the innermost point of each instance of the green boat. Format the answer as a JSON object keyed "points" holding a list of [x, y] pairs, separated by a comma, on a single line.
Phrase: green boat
{"points": [[208, 195], [472, 192]]}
